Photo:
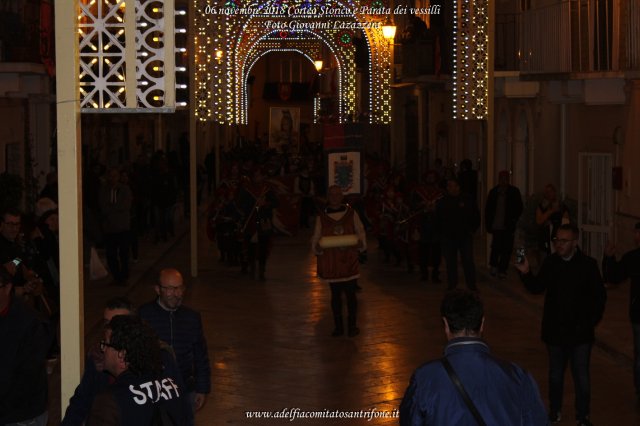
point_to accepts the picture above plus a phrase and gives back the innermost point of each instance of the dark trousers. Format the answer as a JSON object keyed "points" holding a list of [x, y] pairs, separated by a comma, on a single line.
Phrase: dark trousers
{"points": [[501, 248], [163, 217], [430, 254], [636, 356], [258, 251], [451, 249], [349, 289], [306, 209], [117, 246], [579, 357]]}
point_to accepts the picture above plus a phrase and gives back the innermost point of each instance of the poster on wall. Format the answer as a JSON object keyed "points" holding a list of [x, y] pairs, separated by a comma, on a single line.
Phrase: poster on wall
{"points": [[345, 170], [284, 129]]}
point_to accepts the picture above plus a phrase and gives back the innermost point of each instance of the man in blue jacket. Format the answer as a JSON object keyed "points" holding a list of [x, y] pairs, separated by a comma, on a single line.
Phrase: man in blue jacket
{"points": [[181, 328], [502, 392]]}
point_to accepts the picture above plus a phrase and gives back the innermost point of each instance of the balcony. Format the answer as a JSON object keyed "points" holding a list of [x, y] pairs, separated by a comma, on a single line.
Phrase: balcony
{"points": [[507, 42], [20, 31], [581, 36]]}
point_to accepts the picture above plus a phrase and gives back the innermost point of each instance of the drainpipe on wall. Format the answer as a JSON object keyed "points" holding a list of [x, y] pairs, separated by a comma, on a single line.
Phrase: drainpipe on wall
{"points": [[563, 150]]}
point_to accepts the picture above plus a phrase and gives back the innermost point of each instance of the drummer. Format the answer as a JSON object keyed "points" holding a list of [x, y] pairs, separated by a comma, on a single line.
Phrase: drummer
{"points": [[340, 244]]}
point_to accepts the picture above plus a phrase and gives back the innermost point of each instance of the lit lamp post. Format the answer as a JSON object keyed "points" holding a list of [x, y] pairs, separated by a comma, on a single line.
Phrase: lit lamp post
{"points": [[389, 33], [318, 63]]}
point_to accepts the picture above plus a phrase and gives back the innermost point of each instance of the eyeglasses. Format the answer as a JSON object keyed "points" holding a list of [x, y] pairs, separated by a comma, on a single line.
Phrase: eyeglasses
{"points": [[12, 224], [104, 345], [171, 289], [561, 241]]}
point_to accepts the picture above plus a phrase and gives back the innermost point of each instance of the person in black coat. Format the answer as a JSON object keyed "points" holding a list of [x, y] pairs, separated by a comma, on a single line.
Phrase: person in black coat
{"points": [[628, 267], [502, 211], [25, 338], [573, 306], [458, 218], [181, 328]]}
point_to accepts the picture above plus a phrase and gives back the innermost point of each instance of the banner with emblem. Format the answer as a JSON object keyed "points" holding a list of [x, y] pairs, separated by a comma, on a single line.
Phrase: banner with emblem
{"points": [[344, 168]]}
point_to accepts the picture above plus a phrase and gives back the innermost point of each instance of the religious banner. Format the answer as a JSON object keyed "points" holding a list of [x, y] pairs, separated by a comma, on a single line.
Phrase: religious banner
{"points": [[345, 170], [284, 129]]}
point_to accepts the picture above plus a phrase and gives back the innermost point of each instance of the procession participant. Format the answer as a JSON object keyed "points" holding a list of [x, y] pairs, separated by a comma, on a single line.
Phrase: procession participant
{"points": [[340, 243], [386, 223], [256, 201], [424, 200], [458, 218]]}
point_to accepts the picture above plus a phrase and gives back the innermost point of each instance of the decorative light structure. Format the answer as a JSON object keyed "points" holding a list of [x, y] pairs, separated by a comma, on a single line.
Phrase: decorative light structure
{"points": [[243, 37], [470, 73], [127, 60]]}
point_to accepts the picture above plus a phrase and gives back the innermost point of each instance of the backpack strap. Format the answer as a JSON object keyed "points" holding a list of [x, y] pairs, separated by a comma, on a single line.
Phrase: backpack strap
{"points": [[463, 393]]}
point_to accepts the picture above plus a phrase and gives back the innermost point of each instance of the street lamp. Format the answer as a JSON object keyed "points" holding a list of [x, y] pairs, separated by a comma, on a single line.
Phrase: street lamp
{"points": [[389, 32]]}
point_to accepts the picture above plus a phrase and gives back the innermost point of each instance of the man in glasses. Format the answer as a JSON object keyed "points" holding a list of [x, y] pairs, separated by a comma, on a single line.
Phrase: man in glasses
{"points": [[94, 379], [142, 390], [628, 267], [181, 328], [574, 304]]}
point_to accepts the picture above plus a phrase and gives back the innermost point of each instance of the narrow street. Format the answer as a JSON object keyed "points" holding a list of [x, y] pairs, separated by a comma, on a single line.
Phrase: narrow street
{"points": [[270, 345]]}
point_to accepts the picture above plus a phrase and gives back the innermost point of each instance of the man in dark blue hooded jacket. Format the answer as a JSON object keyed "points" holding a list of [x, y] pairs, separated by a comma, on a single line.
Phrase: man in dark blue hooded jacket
{"points": [[503, 393]]}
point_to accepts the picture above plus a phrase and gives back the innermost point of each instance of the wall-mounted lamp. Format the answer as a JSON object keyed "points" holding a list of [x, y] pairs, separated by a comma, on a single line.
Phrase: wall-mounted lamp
{"points": [[389, 32], [318, 64]]}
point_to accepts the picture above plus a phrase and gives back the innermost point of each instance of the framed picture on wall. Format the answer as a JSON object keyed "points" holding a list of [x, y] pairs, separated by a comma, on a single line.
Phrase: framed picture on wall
{"points": [[344, 168], [284, 129]]}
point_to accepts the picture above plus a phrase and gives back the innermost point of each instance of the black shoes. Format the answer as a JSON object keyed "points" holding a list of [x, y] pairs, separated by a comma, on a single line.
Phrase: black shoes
{"points": [[584, 422], [555, 417], [353, 331]]}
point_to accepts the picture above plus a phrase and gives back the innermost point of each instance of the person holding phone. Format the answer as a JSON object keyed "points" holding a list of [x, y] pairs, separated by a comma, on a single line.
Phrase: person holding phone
{"points": [[574, 303], [12, 255]]}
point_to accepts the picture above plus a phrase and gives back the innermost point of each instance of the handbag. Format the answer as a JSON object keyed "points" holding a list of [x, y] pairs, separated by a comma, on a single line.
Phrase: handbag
{"points": [[463, 393]]}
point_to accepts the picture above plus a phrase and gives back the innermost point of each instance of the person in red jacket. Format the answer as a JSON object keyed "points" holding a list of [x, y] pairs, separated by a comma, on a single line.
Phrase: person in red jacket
{"points": [[338, 241]]}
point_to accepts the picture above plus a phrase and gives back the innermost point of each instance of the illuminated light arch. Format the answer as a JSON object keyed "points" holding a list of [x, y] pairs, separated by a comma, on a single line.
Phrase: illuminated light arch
{"points": [[220, 85], [310, 49]]}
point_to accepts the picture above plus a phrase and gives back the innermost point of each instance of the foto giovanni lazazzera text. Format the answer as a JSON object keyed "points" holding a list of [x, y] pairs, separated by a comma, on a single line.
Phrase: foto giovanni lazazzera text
{"points": [[299, 25], [296, 413]]}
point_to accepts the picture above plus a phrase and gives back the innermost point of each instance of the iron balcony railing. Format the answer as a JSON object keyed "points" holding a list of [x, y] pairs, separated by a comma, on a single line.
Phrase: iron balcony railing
{"points": [[581, 36]]}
